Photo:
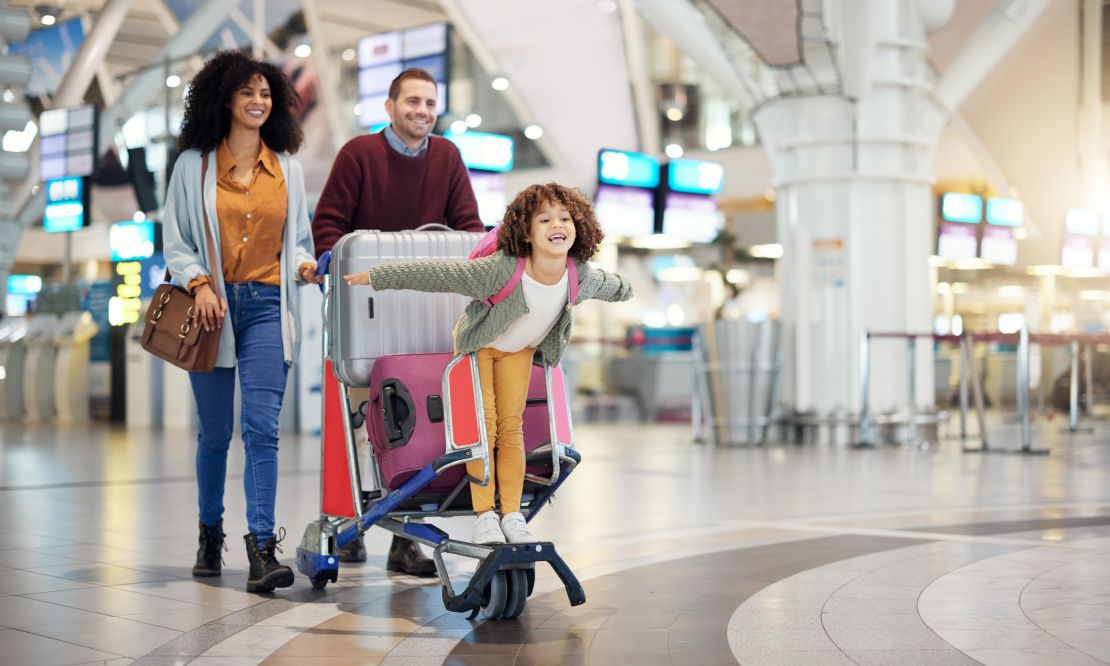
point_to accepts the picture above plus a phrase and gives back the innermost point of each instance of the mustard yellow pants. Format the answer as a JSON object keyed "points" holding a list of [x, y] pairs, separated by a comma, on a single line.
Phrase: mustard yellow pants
{"points": [[504, 377]]}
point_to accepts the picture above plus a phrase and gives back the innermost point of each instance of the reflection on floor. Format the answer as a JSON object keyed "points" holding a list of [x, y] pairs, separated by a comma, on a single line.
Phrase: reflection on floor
{"points": [[689, 555]]}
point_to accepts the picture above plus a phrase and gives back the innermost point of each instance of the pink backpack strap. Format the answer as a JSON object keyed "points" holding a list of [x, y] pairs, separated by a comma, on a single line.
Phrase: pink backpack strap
{"points": [[518, 275]]}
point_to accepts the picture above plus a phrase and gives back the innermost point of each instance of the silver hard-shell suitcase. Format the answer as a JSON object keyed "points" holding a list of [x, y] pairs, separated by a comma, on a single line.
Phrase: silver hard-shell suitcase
{"points": [[365, 324]]}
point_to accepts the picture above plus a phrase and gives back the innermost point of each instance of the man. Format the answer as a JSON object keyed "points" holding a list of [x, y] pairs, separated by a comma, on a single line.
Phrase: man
{"points": [[401, 178]]}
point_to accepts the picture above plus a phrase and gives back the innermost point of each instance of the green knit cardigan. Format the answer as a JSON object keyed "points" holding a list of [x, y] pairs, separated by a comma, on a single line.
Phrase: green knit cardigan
{"points": [[481, 278]]}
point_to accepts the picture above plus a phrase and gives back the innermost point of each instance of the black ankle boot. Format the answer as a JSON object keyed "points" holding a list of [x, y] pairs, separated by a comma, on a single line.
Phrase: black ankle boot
{"points": [[209, 557], [266, 572], [405, 557], [355, 551]]}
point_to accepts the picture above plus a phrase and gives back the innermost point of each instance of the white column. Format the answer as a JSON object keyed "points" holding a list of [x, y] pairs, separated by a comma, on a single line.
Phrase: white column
{"points": [[91, 54]]}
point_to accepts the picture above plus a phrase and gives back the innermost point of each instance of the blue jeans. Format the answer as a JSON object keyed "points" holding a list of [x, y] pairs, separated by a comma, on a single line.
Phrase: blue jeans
{"points": [[255, 310]]}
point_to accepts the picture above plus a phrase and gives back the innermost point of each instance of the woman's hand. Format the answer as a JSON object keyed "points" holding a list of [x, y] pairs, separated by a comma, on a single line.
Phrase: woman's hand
{"points": [[308, 274], [210, 309], [356, 279]]}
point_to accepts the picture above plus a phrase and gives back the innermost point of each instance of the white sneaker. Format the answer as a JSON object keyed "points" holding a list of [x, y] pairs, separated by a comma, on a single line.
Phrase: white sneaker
{"points": [[486, 529], [515, 528]]}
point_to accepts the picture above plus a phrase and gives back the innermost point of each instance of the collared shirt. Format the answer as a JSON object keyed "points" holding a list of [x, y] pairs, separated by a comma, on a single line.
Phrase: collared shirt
{"points": [[251, 218], [400, 146]]}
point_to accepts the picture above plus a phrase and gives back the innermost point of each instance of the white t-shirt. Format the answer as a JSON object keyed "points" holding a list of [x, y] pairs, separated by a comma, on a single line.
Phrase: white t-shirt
{"points": [[545, 305]]}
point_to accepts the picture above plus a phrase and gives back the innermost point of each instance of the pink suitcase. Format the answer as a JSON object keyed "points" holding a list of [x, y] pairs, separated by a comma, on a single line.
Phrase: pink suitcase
{"points": [[404, 419]]}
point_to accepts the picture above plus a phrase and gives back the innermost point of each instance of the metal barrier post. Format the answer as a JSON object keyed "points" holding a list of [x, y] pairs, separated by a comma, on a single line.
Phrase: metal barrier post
{"points": [[1088, 381], [1023, 389], [963, 386], [1073, 388], [977, 392], [911, 372], [864, 389]]}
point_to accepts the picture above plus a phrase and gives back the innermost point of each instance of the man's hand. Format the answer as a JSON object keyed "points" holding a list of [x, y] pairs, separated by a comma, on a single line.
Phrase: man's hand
{"points": [[308, 273], [209, 308]]}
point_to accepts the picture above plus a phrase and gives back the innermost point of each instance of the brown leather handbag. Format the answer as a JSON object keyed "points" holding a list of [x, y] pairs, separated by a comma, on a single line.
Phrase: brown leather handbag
{"points": [[173, 330]]}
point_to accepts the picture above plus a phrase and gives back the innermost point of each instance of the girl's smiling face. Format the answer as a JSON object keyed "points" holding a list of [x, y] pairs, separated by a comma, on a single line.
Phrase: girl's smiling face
{"points": [[551, 229]]}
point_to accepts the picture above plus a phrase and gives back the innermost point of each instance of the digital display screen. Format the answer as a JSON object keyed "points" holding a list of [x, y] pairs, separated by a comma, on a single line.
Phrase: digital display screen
{"points": [[1084, 222], [999, 246], [484, 151], [382, 57], [956, 241], [692, 217], [131, 240], [67, 145], [65, 205], [625, 212], [1078, 252], [618, 167], [958, 207], [24, 284], [1005, 212], [489, 190], [695, 176]]}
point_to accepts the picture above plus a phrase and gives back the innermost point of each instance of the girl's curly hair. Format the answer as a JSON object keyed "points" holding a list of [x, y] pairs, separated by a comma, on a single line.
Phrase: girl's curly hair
{"points": [[208, 118], [512, 236]]}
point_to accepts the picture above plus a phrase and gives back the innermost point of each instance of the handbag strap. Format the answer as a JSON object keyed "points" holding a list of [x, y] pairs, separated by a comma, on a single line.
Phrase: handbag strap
{"points": [[207, 232]]}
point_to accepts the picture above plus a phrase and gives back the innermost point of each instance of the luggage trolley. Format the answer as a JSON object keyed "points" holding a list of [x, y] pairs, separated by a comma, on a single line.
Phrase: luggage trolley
{"points": [[361, 326]]}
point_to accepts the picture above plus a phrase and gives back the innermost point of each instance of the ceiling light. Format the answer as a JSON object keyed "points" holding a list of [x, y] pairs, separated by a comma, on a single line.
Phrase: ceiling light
{"points": [[173, 80], [500, 83], [1085, 273], [458, 127], [659, 242], [302, 51], [348, 55], [673, 151], [139, 216], [1092, 295], [533, 132], [473, 120], [358, 109], [680, 274], [8, 96], [1046, 269], [971, 265], [675, 114], [49, 19], [738, 276], [1011, 291]]}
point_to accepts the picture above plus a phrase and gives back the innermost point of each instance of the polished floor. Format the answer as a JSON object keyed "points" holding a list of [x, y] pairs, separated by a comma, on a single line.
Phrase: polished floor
{"points": [[813, 554]]}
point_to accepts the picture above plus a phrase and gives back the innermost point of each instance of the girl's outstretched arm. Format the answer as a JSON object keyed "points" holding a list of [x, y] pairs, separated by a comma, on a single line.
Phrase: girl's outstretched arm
{"points": [[471, 278]]}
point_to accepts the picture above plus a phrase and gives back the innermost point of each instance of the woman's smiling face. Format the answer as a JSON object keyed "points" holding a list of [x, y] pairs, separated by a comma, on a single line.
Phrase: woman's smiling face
{"points": [[251, 103]]}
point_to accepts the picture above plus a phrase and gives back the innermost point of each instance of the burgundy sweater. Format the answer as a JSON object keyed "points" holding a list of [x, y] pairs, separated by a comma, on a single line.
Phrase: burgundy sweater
{"points": [[372, 186]]}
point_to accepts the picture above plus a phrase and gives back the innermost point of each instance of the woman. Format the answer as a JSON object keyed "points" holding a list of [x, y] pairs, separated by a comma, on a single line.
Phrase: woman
{"points": [[235, 178]]}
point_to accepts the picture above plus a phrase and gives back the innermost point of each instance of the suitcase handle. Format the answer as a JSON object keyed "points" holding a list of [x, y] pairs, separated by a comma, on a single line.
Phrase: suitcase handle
{"points": [[397, 410]]}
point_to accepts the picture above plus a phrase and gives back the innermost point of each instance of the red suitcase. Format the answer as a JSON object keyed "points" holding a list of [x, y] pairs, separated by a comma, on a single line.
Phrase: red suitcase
{"points": [[405, 414]]}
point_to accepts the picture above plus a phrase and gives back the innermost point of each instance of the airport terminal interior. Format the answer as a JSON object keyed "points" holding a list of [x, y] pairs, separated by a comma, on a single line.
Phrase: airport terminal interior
{"points": [[856, 410]]}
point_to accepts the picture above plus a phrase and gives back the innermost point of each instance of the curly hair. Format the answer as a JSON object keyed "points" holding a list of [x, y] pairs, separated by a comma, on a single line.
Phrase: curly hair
{"points": [[512, 236], [208, 118]]}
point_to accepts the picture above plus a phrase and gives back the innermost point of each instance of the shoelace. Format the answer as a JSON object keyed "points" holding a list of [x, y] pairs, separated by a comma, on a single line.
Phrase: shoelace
{"points": [[517, 524], [267, 551], [210, 548]]}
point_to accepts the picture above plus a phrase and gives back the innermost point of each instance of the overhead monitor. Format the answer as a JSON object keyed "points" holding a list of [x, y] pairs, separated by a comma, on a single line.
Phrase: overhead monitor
{"points": [[66, 205], [999, 246], [692, 217], [484, 151], [1005, 212], [1084, 222], [625, 212], [24, 285], [489, 190], [695, 176], [1078, 252], [619, 167], [956, 241], [67, 144], [960, 207], [383, 56], [131, 240]]}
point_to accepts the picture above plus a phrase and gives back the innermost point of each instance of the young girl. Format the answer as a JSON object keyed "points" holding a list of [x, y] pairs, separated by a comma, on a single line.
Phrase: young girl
{"points": [[544, 224]]}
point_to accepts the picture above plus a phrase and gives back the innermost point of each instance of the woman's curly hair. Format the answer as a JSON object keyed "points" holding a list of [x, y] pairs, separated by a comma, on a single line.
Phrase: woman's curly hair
{"points": [[208, 118], [512, 236]]}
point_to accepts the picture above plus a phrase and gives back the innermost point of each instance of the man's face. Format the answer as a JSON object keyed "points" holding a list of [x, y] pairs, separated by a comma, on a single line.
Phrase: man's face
{"points": [[413, 113]]}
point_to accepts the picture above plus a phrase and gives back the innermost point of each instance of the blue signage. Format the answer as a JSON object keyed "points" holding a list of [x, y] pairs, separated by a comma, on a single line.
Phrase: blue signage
{"points": [[959, 207], [65, 205], [1005, 212], [484, 151], [695, 176], [619, 167], [131, 240], [24, 284]]}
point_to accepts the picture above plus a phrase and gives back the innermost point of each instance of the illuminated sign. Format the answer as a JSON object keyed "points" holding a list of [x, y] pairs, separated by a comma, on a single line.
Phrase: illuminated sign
{"points": [[131, 240], [1005, 212], [1077, 253], [955, 241], [484, 151], [999, 247], [65, 205], [24, 284], [67, 143], [126, 306], [692, 217], [695, 176], [625, 212], [1084, 222], [619, 167], [957, 207]]}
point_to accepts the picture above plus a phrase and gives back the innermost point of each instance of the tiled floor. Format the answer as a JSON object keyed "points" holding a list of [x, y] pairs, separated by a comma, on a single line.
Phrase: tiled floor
{"points": [[689, 555]]}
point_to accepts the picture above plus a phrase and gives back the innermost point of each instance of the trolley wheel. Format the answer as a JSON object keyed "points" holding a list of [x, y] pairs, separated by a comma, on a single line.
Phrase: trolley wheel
{"points": [[530, 572], [494, 596], [518, 593], [320, 581]]}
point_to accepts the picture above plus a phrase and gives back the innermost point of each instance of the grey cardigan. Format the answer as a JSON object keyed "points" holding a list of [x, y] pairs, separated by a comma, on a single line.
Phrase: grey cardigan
{"points": [[481, 278], [186, 251]]}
